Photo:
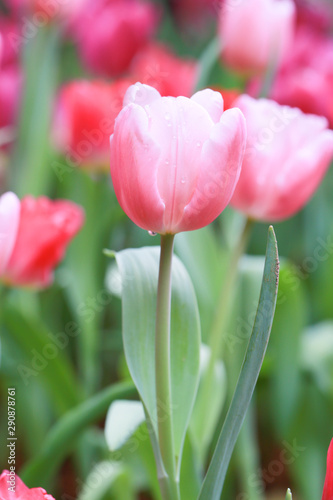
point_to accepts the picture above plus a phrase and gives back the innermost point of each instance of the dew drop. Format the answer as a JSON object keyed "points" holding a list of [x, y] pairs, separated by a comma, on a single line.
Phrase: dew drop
{"points": [[167, 162], [152, 233], [198, 144], [182, 180]]}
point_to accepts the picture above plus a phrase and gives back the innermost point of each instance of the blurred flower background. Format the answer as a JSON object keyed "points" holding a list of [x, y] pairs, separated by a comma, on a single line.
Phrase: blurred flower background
{"points": [[65, 66]]}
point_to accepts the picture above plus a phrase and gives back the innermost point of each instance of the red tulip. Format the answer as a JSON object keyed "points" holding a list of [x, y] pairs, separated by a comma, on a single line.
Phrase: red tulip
{"points": [[85, 120], [255, 33], [286, 158], [12, 488], [328, 485], [110, 33], [175, 161], [157, 66], [316, 15], [46, 227], [306, 76]]}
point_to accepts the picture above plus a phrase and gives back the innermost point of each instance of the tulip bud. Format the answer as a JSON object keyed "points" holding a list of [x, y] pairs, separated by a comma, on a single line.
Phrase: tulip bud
{"points": [[175, 161]]}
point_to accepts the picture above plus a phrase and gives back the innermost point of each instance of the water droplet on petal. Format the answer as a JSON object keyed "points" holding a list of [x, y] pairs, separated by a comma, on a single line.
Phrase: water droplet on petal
{"points": [[167, 116], [152, 233], [182, 180], [198, 144], [167, 162]]}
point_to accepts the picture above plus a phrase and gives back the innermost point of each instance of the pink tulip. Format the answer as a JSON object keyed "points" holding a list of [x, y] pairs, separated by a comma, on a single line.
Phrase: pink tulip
{"points": [[117, 30], [286, 158], [305, 79], [9, 222], [255, 33], [328, 486], [46, 227], [12, 488], [175, 161]]}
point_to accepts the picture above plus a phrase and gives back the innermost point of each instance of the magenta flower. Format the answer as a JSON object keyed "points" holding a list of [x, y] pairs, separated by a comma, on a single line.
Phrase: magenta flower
{"points": [[12, 488], [328, 486], [175, 162], [286, 158]]}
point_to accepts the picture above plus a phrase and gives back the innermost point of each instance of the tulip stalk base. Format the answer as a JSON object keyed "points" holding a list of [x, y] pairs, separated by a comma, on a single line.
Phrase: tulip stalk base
{"points": [[222, 312], [169, 485]]}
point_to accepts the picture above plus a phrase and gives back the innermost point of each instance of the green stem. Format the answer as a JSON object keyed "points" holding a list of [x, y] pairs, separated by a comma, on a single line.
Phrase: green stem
{"points": [[168, 484], [226, 294], [221, 316]]}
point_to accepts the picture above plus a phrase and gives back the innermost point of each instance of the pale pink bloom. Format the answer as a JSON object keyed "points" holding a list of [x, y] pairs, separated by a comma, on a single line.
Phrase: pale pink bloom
{"points": [[175, 161], [286, 158], [9, 222], [13, 488], [255, 33]]}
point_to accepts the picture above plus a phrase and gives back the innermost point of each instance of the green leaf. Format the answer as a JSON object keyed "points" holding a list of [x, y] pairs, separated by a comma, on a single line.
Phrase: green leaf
{"points": [[31, 172], [45, 359], [213, 482], [139, 276], [285, 348], [289, 495], [104, 478], [66, 431], [203, 423], [122, 420]]}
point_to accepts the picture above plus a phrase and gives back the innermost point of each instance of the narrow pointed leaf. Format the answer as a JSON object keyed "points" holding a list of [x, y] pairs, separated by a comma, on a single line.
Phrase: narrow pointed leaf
{"points": [[213, 482], [289, 495], [138, 278]]}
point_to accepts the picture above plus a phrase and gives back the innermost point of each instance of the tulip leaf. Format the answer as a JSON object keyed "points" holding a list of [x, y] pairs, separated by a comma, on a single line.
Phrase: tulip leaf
{"points": [[289, 495], [138, 270], [214, 479]]}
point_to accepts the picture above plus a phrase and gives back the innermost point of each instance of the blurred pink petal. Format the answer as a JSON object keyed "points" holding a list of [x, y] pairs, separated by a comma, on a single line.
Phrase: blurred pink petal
{"points": [[255, 33], [12, 488], [46, 228], [9, 222]]}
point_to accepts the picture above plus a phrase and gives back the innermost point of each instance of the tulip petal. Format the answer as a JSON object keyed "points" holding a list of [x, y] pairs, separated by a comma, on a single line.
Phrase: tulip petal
{"points": [[328, 486], [180, 126], [45, 229], [215, 186], [134, 155], [141, 94], [210, 100], [9, 222]]}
